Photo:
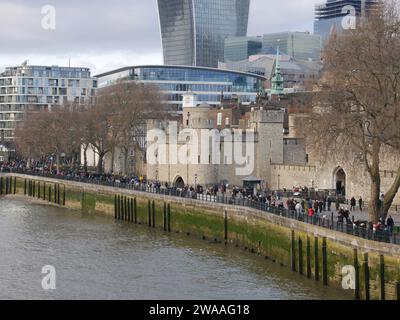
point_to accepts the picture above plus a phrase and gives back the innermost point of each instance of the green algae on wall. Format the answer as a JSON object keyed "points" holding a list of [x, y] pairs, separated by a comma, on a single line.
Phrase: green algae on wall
{"points": [[257, 235]]}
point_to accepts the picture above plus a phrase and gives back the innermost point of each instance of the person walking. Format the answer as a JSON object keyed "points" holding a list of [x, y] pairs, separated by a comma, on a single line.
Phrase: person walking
{"points": [[316, 206], [353, 204], [360, 203], [390, 224], [311, 212], [299, 209], [329, 201]]}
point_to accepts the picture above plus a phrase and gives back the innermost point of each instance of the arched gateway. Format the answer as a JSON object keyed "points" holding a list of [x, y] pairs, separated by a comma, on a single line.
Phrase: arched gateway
{"points": [[339, 177], [178, 182]]}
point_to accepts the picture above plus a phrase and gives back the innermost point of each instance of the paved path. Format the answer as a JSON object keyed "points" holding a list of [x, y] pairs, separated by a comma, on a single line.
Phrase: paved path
{"points": [[358, 215]]}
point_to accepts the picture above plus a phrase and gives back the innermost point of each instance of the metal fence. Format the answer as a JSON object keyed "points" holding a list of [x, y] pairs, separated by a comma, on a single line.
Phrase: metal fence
{"points": [[326, 220]]}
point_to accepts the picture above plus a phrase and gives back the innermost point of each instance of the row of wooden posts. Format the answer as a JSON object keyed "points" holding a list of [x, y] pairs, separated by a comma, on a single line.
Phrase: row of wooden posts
{"points": [[125, 209], [297, 265], [38, 189], [8, 185]]}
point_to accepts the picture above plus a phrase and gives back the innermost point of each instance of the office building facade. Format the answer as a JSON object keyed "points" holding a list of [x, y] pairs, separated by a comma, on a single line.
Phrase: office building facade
{"points": [[209, 85], [301, 46], [240, 48], [193, 32], [32, 88], [331, 15]]}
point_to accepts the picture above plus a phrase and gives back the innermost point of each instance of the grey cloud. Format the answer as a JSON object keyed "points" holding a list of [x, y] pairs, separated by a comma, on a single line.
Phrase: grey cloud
{"points": [[104, 27]]}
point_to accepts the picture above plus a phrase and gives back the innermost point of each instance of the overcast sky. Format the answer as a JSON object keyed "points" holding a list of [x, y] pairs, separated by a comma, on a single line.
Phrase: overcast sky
{"points": [[104, 34]]}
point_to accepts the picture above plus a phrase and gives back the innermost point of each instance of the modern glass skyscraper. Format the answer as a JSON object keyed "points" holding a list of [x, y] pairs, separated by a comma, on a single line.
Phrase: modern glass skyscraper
{"points": [[193, 32], [330, 14]]}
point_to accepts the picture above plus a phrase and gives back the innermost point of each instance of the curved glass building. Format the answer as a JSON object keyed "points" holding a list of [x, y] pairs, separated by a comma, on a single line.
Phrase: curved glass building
{"points": [[193, 31], [209, 85]]}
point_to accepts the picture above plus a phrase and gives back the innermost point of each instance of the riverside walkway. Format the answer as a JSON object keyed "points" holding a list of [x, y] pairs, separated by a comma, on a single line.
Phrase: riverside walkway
{"points": [[327, 220]]}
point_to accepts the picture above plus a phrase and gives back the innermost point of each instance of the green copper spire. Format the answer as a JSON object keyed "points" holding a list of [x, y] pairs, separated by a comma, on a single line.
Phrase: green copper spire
{"points": [[277, 79]]}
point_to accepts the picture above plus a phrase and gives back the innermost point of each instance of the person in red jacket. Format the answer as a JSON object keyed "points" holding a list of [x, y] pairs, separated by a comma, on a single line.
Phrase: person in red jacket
{"points": [[311, 212]]}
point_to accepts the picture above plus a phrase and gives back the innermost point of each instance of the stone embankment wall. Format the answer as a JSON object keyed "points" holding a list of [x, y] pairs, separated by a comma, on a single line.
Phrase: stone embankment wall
{"points": [[316, 252]]}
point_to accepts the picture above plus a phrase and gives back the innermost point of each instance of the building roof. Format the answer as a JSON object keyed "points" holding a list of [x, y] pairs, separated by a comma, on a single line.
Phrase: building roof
{"points": [[180, 67]]}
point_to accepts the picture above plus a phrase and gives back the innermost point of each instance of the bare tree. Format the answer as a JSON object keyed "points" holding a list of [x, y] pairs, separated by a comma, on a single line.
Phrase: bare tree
{"points": [[98, 128], [131, 104], [357, 110]]}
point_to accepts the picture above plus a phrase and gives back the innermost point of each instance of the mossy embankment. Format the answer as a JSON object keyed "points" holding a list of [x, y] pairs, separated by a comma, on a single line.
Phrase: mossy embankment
{"points": [[290, 243]]}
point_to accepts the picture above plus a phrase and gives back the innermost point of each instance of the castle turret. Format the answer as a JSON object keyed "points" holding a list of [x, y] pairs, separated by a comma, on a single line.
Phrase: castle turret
{"points": [[268, 126]]}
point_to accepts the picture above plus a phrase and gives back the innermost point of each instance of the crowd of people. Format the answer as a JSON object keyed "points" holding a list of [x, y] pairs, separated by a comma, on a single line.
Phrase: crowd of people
{"points": [[298, 203]]}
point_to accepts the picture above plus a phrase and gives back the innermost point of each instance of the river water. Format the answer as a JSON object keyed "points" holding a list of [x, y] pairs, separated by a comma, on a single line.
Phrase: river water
{"points": [[96, 258]]}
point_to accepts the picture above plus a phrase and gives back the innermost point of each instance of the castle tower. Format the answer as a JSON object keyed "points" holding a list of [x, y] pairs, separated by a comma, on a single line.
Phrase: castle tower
{"points": [[268, 126]]}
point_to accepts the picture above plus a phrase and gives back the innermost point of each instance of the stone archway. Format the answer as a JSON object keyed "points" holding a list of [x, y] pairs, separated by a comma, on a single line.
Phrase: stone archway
{"points": [[179, 182], [339, 178]]}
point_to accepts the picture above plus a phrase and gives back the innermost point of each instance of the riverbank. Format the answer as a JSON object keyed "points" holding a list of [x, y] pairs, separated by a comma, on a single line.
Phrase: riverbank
{"points": [[318, 253], [96, 257]]}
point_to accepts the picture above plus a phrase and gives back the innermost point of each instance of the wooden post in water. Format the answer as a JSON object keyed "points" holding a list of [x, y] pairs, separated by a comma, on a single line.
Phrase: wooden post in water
{"points": [[58, 194], [38, 193], [55, 193], [293, 252], [300, 256], [126, 209], [324, 262], [135, 210], [226, 227], [165, 216], [366, 276], [357, 275], [382, 276], [131, 211], [316, 259], [34, 188], [121, 208], [49, 197], [149, 213], [169, 217], [1, 186], [15, 185], [24, 187], [63, 202], [398, 291], [115, 207], [308, 258], [118, 207], [154, 213], [44, 191]]}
